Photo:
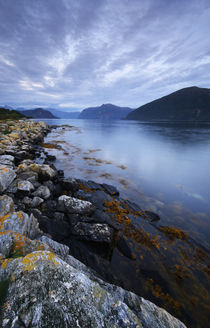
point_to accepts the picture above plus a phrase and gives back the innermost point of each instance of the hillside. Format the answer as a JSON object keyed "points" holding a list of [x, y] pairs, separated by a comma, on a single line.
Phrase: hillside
{"points": [[105, 112], [6, 114], [188, 104], [38, 113], [61, 114]]}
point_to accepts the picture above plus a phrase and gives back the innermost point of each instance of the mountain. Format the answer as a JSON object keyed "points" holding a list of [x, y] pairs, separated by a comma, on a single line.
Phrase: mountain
{"points": [[61, 114], [105, 112], [6, 114], [38, 113], [189, 104]]}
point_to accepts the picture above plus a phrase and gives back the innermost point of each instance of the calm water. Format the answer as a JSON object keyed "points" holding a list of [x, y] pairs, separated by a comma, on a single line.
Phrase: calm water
{"points": [[165, 168]]}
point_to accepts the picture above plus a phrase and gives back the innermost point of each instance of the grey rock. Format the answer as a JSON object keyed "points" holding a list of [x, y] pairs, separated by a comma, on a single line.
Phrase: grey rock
{"points": [[25, 186], [6, 205], [59, 249], [93, 231], [27, 201], [48, 292], [7, 160], [7, 175], [75, 206], [36, 201], [6, 244], [42, 192], [21, 223], [110, 189]]}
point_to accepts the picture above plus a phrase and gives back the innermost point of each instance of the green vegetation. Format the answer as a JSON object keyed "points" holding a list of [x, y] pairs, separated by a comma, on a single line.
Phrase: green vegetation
{"points": [[6, 114]]}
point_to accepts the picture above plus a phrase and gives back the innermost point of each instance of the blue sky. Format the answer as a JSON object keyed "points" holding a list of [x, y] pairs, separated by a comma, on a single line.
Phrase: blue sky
{"points": [[72, 54]]}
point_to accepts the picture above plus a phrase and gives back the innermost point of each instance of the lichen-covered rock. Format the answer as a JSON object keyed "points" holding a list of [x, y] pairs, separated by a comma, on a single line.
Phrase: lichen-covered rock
{"points": [[93, 231], [74, 205], [59, 249], [20, 222], [44, 171], [7, 175], [45, 291], [6, 205]]}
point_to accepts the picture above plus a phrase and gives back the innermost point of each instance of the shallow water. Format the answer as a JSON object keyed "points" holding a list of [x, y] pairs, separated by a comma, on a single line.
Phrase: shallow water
{"points": [[164, 168]]}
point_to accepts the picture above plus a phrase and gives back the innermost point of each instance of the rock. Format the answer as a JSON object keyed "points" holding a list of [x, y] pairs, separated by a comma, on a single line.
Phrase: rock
{"points": [[45, 172], [124, 247], [73, 205], [42, 192], [44, 291], [20, 222], [59, 249], [25, 186], [27, 201], [6, 205], [36, 201], [111, 190], [93, 231], [6, 244], [69, 184], [7, 175], [7, 160]]}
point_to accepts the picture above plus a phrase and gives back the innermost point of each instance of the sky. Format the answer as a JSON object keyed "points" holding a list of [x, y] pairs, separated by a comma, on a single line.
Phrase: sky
{"points": [[73, 54]]}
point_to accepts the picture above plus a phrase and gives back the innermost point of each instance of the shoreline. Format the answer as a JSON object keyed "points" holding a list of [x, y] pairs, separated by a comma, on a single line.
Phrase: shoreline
{"points": [[84, 215]]}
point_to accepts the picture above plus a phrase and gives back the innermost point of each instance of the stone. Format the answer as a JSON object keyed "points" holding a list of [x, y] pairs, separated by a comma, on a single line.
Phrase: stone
{"points": [[44, 291], [42, 192], [111, 190], [27, 201], [124, 246], [25, 186], [59, 249], [73, 205], [7, 175], [6, 205], [93, 231], [7, 160], [36, 201], [21, 223]]}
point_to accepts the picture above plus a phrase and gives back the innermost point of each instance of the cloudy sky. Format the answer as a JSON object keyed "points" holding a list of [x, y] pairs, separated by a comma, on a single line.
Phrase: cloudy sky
{"points": [[72, 54]]}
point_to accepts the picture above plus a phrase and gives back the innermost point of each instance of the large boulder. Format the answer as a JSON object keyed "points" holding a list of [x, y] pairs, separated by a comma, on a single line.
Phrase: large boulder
{"points": [[7, 175], [44, 291], [73, 205]]}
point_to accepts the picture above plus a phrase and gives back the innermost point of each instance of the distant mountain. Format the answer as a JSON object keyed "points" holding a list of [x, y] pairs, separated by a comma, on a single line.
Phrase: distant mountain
{"points": [[6, 114], [105, 112], [188, 104], [38, 113], [6, 107], [61, 114]]}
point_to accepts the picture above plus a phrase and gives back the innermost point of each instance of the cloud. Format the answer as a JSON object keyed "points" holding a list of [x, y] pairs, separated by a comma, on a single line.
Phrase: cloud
{"points": [[75, 54]]}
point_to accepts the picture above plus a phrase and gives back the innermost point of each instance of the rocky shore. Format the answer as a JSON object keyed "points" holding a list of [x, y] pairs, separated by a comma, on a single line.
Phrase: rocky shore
{"points": [[44, 218]]}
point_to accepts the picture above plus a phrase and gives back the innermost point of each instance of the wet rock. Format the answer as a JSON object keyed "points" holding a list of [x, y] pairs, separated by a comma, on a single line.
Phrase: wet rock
{"points": [[6, 205], [25, 186], [93, 231], [111, 190], [69, 184], [7, 175], [73, 205], [42, 192], [124, 247], [36, 201]]}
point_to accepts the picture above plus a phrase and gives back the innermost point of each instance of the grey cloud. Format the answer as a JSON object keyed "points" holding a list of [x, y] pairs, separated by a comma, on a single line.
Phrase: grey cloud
{"points": [[82, 53]]}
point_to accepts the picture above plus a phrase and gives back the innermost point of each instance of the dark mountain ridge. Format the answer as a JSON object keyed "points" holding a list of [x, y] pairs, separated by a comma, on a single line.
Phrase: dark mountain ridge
{"points": [[105, 112], [189, 105], [38, 113]]}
